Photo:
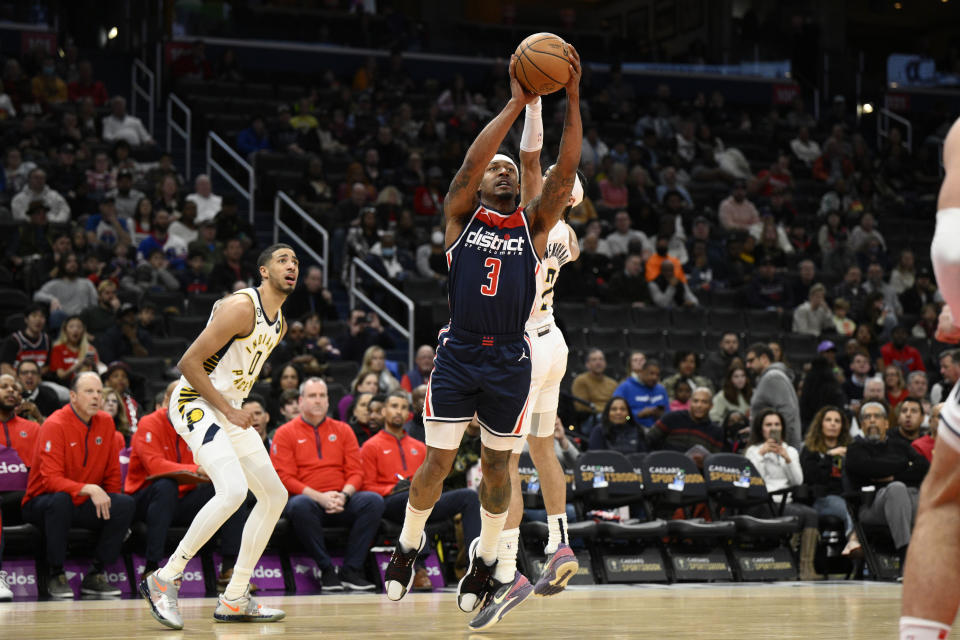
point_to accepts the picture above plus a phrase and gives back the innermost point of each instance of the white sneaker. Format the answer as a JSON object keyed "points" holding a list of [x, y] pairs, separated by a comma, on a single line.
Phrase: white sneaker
{"points": [[6, 595], [245, 609], [162, 596]]}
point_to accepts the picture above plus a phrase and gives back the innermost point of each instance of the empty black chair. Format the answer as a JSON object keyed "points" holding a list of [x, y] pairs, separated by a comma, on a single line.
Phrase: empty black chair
{"points": [[342, 371], [693, 319], [606, 339], [686, 341], [201, 304], [188, 327], [150, 368], [170, 303], [574, 316], [763, 321], [171, 348], [423, 289], [648, 341], [605, 478], [727, 320]]}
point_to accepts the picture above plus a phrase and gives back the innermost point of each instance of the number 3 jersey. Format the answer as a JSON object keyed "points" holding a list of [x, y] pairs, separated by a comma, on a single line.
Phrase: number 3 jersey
{"points": [[235, 367], [556, 255], [493, 268]]}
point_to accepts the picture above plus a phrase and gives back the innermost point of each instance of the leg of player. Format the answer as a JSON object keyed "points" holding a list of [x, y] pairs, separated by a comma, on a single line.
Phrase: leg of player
{"points": [[494, 503], [235, 603], [562, 564], [425, 489], [931, 594], [514, 587], [218, 459]]}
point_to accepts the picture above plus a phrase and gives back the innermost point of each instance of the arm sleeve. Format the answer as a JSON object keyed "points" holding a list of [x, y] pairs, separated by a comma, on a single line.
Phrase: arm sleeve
{"points": [[285, 462], [353, 471], [793, 470]]}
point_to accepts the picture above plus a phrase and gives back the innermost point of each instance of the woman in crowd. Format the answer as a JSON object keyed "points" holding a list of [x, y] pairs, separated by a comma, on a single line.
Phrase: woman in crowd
{"points": [[895, 384], [142, 218], [904, 273], [368, 382], [167, 197], [822, 460], [72, 353], [288, 376], [117, 377], [617, 429], [112, 404], [734, 395], [359, 417], [375, 361], [779, 465]]}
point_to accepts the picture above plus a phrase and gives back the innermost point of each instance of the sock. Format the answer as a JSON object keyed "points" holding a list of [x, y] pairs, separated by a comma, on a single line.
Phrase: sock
{"points": [[413, 525], [175, 565], [491, 524], [238, 583], [149, 565], [507, 555], [920, 629], [557, 524]]}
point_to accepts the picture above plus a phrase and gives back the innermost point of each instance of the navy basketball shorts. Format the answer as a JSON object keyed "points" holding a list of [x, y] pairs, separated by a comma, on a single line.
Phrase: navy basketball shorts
{"points": [[474, 374]]}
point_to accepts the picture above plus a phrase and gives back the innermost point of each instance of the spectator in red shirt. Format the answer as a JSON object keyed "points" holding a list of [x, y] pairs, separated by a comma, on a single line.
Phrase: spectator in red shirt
{"points": [[72, 353], [391, 457], [775, 179], [318, 461], [898, 352], [895, 385], [428, 198], [86, 87], [157, 450], [16, 450], [75, 480], [194, 66]]}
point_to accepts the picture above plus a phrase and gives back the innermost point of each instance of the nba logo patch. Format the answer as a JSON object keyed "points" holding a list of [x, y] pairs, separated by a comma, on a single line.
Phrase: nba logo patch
{"points": [[332, 437], [149, 436], [23, 434], [46, 447], [99, 440], [413, 452]]}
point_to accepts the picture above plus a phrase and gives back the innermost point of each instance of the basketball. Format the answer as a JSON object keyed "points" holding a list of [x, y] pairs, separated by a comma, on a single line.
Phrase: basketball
{"points": [[542, 64]]}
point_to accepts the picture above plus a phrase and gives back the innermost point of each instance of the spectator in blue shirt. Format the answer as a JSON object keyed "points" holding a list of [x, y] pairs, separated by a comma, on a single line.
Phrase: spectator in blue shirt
{"points": [[645, 395], [254, 138], [106, 228]]}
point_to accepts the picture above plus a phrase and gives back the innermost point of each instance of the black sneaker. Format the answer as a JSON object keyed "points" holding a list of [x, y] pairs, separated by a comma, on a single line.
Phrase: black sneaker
{"points": [[330, 580], [58, 587], [95, 584], [398, 578], [353, 579], [477, 582]]}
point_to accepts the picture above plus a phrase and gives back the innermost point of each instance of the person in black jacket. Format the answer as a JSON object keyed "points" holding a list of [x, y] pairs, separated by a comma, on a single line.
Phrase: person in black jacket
{"points": [[311, 296], [681, 430], [618, 430], [822, 459], [820, 388], [890, 464]]}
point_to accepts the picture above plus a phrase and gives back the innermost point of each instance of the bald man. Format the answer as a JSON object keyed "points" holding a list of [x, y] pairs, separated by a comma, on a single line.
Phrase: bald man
{"points": [[75, 480], [680, 430]]}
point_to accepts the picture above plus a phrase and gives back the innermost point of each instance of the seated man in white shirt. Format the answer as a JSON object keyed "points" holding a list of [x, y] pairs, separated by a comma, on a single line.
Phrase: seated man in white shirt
{"points": [[619, 241], [119, 125], [208, 204]]}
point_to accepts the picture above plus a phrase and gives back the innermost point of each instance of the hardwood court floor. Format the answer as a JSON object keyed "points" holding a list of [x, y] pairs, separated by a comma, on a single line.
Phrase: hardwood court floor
{"points": [[838, 610]]}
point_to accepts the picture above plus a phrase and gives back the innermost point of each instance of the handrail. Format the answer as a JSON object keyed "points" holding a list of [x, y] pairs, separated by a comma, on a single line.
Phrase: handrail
{"points": [[248, 191], [355, 292], [279, 225], [884, 115], [184, 132], [147, 94]]}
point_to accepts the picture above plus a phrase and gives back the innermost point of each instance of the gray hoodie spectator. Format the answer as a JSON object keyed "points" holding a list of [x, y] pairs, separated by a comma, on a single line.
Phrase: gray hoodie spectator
{"points": [[775, 390]]}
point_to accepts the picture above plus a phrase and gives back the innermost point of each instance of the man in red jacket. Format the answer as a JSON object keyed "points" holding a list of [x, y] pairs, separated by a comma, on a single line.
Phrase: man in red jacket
{"points": [[391, 457], [318, 461], [156, 449], [75, 480], [16, 451]]}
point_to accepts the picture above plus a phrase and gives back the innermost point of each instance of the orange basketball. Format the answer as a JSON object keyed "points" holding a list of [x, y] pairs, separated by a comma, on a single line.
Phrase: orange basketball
{"points": [[542, 64]]}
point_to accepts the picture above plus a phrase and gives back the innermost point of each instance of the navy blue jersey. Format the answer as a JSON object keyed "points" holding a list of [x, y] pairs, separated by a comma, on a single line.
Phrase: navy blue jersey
{"points": [[493, 268]]}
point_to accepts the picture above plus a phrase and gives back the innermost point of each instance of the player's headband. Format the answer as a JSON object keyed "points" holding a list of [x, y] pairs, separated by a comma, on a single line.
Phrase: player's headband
{"points": [[504, 158]]}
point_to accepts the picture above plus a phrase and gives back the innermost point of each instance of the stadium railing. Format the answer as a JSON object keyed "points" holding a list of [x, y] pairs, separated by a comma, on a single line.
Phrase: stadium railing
{"points": [[214, 141], [184, 131], [138, 72], [279, 225], [356, 293]]}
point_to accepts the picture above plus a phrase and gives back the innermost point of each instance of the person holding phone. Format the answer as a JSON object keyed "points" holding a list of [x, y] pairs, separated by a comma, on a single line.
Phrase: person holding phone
{"points": [[778, 463]]}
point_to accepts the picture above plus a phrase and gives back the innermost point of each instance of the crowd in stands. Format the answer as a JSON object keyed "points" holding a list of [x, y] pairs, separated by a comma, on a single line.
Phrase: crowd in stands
{"points": [[103, 240]]}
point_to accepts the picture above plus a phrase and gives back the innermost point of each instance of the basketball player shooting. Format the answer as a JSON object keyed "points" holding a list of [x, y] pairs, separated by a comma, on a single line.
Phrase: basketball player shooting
{"points": [[549, 364], [482, 366], [931, 591], [219, 369]]}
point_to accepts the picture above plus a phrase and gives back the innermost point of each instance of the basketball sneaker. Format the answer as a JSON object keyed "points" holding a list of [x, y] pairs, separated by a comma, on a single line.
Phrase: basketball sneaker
{"points": [[245, 609], [398, 578], [558, 571], [502, 601], [476, 582], [6, 595], [162, 596]]}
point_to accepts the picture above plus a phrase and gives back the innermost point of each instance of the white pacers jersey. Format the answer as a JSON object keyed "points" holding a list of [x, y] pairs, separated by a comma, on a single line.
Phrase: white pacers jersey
{"points": [[556, 255], [235, 367]]}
